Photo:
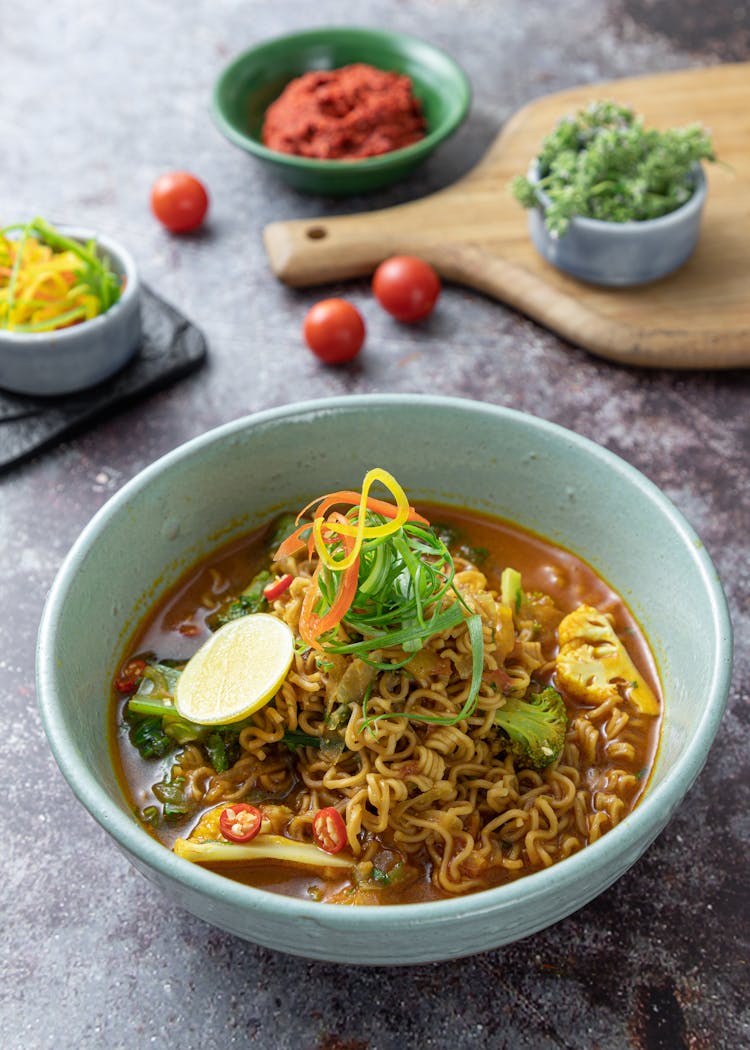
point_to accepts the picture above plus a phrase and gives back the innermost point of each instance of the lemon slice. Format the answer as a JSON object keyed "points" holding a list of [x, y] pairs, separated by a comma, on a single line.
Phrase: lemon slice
{"points": [[236, 671]]}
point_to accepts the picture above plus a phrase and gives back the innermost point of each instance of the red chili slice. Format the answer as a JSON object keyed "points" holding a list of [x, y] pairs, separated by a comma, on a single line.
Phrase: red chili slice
{"points": [[130, 675], [329, 830], [240, 822], [273, 590]]}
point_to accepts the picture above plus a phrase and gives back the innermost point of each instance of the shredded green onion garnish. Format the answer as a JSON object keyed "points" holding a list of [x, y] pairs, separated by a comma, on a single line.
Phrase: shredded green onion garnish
{"points": [[403, 583]]}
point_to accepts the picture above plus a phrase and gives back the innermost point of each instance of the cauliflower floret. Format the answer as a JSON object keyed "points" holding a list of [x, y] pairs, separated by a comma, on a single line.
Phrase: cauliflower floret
{"points": [[594, 665]]}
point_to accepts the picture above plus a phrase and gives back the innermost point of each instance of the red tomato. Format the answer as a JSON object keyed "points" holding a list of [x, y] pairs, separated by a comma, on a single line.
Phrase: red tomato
{"points": [[334, 331], [406, 287], [179, 201], [329, 830], [240, 822]]}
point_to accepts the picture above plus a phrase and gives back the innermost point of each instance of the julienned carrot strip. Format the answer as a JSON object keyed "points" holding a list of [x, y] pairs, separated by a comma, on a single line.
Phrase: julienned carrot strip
{"points": [[294, 541], [312, 626], [308, 621], [378, 505], [359, 529], [332, 530]]}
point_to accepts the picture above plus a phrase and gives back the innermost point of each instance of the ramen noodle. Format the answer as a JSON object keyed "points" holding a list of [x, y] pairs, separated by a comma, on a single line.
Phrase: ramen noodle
{"points": [[484, 707]]}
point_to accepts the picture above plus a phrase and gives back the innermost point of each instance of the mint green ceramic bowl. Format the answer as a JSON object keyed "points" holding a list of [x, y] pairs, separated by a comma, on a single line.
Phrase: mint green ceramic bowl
{"points": [[248, 85], [453, 451]]}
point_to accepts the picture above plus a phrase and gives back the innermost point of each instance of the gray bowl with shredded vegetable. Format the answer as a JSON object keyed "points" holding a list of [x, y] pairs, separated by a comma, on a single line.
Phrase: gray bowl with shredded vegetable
{"points": [[64, 360]]}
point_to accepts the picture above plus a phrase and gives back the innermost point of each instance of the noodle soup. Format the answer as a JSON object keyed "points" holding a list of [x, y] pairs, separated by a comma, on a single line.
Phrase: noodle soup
{"points": [[412, 767]]}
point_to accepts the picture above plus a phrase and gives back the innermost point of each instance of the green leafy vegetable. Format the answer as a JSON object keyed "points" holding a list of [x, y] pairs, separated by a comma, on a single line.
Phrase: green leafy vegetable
{"points": [[150, 739], [294, 739], [223, 748], [155, 693], [330, 745], [251, 600], [175, 796], [603, 164], [157, 727], [283, 527], [403, 580], [387, 878]]}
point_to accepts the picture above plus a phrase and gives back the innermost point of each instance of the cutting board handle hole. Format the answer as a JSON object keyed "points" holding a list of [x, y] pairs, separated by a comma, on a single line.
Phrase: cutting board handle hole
{"points": [[317, 233]]}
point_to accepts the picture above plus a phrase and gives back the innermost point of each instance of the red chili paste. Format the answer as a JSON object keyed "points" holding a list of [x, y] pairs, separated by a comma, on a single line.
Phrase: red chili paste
{"points": [[344, 114]]}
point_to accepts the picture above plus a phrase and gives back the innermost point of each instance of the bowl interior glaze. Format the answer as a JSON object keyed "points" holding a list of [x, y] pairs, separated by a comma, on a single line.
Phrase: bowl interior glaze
{"points": [[447, 450]]}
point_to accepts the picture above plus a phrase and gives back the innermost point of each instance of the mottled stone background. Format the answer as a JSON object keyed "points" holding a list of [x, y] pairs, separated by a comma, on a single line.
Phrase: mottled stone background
{"points": [[96, 99]]}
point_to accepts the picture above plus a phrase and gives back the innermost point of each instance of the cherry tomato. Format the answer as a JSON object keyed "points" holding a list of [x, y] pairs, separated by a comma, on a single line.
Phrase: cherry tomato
{"points": [[406, 287], [179, 201], [329, 830], [334, 331]]}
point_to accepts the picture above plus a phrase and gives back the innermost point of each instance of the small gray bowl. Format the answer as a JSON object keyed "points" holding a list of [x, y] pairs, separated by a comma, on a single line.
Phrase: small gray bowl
{"points": [[618, 254], [230, 480], [71, 359]]}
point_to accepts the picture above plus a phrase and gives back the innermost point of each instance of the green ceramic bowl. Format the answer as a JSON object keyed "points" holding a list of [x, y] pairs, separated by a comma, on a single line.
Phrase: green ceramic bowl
{"points": [[453, 451], [255, 78]]}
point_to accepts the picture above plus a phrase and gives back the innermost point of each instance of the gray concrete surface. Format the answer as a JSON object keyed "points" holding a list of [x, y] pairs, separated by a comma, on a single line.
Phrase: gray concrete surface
{"points": [[97, 99]]}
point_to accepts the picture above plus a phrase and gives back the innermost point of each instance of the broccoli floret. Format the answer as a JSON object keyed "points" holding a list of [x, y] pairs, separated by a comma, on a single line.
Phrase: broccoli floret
{"points": [[535, 727]]}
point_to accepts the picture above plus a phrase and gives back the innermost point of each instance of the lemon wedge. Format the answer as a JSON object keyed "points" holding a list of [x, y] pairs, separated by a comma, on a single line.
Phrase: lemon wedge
{"points": [[236, 671]]}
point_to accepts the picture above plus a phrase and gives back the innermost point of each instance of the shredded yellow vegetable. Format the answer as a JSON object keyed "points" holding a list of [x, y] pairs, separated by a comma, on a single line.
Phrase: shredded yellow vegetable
{"points": [[362, 531], [46, 286]]}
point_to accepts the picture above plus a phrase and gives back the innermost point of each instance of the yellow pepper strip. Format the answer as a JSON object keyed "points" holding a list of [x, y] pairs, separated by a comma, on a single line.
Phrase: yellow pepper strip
{"points": [[361, 530], [43, 288]]}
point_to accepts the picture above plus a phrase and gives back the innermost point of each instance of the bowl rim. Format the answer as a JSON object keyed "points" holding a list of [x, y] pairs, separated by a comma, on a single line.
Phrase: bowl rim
{"points": [[380, 162], [632, 834], [694, 203], [73, 333]]}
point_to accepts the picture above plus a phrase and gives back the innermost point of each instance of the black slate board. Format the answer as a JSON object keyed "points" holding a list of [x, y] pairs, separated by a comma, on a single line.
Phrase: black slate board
{"points": [[172, 347]]}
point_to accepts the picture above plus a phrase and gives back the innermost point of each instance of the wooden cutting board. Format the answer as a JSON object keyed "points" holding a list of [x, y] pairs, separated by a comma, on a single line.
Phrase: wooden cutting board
{"points": [[475, 233]]}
